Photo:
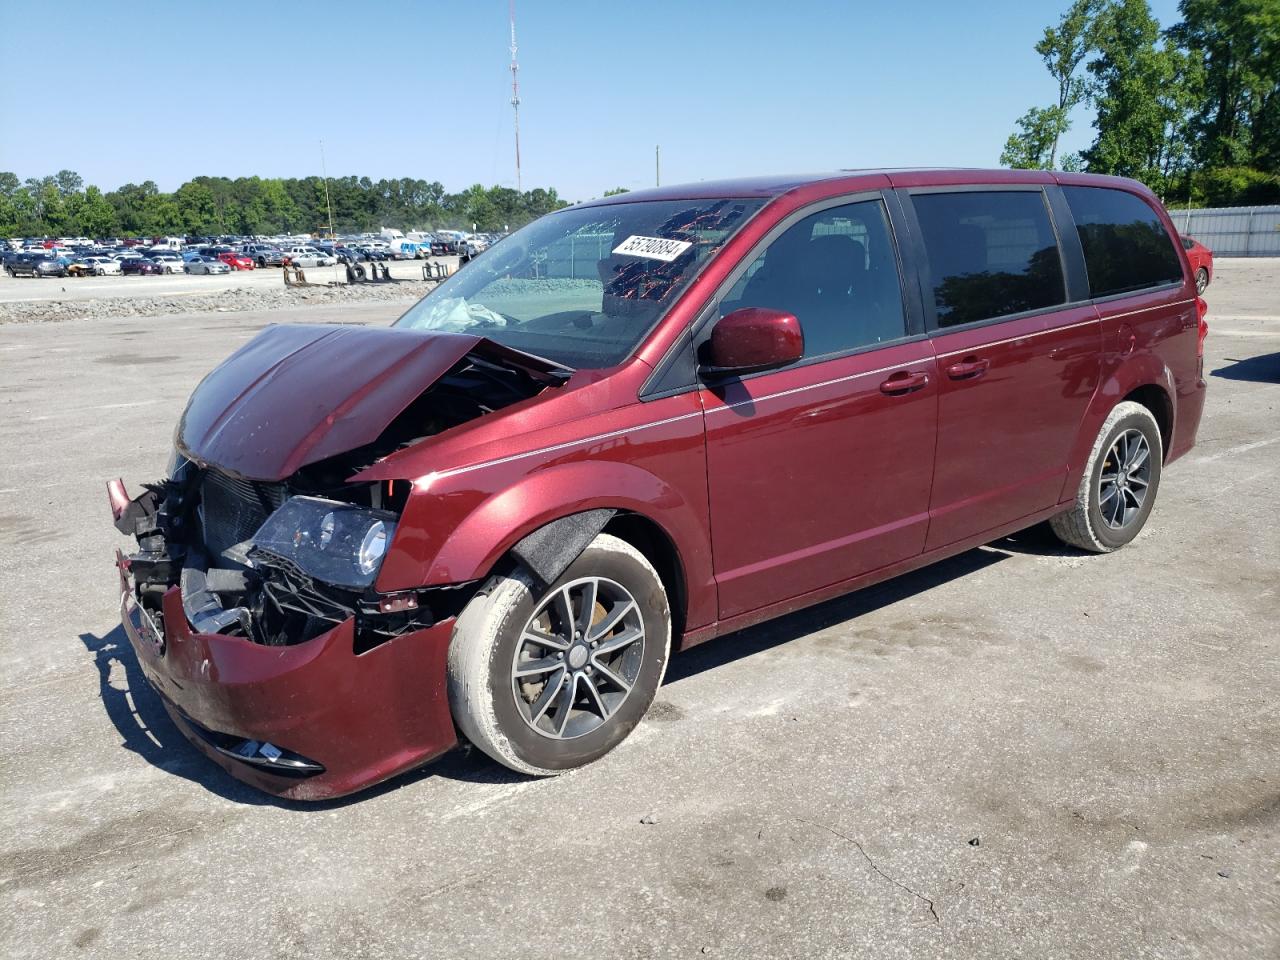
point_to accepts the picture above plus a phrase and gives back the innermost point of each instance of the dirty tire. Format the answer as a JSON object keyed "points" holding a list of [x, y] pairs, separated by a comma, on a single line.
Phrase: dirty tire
{"points": [[484, 646], [1083, 526], [1202, 280]]}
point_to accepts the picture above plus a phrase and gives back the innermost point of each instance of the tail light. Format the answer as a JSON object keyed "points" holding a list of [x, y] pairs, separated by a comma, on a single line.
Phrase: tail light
{"points": [[1202, 308]]}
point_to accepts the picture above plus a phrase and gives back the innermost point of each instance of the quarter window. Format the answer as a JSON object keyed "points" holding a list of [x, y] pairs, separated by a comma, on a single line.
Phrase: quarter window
{"points": [[991, 254], [1126, 247], [837, 272]]}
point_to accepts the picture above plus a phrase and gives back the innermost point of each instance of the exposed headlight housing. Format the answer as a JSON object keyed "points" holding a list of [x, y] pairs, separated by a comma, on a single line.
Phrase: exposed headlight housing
{"points": [[334, 542]]}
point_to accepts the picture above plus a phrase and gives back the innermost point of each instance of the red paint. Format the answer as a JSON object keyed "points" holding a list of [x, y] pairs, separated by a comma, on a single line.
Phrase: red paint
{"points": [[777, 490], [236, 261], [296, 394], [1200, 256], [755, 338], [365, 718]]}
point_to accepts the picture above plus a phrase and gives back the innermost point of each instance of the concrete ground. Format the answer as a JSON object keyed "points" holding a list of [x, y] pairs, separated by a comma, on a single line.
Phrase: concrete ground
{"points": [[1022, 752]]}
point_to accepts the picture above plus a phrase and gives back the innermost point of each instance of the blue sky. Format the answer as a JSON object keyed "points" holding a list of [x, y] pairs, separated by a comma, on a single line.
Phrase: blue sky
{"points": [[167, 91]]}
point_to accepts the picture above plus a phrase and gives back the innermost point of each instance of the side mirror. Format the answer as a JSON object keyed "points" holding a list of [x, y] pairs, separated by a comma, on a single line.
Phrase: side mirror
{"points": [[753, 339]]}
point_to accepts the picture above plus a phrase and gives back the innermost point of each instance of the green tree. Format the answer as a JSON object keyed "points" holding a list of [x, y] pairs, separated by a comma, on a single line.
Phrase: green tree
{"points": [[68, 182], [160, 215], [129, 202], [1237, 121], [97, 218], [1063, 50], [196, 208], [1137, 86], [1035, 143]]}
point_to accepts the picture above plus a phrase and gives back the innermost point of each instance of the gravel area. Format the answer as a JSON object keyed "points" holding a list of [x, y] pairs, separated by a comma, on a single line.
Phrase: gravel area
{"points": [[234, 300]]}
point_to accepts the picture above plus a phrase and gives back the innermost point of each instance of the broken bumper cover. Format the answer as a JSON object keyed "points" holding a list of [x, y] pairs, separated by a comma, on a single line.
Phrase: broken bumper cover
{"points": [[306, 722]]}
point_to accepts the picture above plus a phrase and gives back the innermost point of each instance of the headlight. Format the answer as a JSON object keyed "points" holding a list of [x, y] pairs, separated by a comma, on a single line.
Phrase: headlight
{"points": [[331, 541]]}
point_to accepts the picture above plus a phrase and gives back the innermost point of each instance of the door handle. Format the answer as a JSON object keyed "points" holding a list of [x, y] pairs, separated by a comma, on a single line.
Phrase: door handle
{"points": [[970, 368], [904, 382]]}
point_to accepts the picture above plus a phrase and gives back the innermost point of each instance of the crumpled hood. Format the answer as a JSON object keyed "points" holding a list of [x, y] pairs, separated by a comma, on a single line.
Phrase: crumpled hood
{"points": [[299, 393]]}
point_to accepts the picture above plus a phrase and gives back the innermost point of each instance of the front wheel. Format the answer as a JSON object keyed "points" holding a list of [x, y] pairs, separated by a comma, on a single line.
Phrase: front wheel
{"points": [[1202, 279], [1119, 485], [546, 681]]}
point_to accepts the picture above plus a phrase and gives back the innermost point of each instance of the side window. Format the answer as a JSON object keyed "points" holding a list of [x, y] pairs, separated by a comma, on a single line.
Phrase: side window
{"points": [[837, 271], [1126, 247], [991, 254]]}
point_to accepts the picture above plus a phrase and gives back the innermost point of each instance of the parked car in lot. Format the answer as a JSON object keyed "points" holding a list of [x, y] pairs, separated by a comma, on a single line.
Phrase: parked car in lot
{"points": [[103, 266], [443, 246], [264, 255], [206, 265], [1201, 259], [139, 266], [50, 266], [472, 247], [305, 256], [236, 261], [502, 515], [168, 262], [34, 265]]}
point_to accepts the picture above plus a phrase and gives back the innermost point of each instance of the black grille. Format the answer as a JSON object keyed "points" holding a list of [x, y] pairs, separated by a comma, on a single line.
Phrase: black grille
{"points": [[232, 509]]}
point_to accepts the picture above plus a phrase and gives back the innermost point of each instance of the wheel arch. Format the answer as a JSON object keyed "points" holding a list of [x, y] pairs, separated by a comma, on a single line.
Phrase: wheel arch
{"points": [[1155, 398], [557, 512], [1144, 379], [648, 536]]}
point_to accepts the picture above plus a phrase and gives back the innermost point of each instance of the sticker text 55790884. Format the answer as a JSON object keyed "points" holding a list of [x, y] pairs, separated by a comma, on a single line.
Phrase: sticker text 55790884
{"points": [[655, 248]]}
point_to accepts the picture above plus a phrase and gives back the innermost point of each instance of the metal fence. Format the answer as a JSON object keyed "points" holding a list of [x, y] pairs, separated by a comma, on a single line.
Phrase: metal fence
{"points": [[1232, 231]]}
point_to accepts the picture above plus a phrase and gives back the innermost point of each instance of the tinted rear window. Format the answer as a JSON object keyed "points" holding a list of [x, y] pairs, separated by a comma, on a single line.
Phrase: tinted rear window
{"points": [[991, 254], [1126, 247]]}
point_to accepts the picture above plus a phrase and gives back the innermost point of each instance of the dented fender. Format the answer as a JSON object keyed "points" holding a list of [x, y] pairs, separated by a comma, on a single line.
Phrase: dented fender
{"points": [[476, 528]]}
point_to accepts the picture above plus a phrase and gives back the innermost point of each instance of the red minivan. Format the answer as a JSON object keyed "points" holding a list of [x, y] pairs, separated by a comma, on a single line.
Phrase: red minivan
{"points": [[635, 425]]}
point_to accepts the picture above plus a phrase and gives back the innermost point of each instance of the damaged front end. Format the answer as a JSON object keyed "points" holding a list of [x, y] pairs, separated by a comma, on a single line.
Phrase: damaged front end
{"points": [[251, 598], [272, 563]]}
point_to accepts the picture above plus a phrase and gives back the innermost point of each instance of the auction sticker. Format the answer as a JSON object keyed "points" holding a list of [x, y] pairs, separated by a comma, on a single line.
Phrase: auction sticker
{"points": [[655, 248]]}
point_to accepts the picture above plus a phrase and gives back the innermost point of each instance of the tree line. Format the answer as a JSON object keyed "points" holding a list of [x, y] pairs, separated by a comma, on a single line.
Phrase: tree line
{"points": [[63, 205], [1193, 110]]}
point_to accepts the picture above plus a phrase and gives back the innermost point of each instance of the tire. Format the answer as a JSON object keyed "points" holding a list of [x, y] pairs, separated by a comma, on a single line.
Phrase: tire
{"points": [[1090, 524], [493, 709], [1202, 280]]}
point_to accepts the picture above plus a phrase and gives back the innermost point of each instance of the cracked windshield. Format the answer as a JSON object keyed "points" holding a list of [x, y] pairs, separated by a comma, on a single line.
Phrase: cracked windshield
{"points": [[583, 286]]}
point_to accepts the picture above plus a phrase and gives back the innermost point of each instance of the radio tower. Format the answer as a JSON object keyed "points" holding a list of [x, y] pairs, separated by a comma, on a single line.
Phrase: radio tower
{"points": [[515, 86]]}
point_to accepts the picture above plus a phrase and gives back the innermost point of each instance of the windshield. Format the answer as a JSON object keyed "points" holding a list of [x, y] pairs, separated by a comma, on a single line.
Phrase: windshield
{"points": [[583, 286]]}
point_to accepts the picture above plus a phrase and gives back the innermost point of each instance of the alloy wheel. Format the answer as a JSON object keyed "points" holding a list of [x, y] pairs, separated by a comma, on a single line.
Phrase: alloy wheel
{"points": [[1125, 479], [578, 658]]}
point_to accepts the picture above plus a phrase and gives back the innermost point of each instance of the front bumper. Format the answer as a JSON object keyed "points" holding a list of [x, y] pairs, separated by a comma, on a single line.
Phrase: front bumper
{"points": [[361, 718]]}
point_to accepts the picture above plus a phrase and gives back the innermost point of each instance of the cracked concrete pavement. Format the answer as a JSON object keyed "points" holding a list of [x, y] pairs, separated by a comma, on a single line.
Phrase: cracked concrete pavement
{"points": [[1021, 752]]}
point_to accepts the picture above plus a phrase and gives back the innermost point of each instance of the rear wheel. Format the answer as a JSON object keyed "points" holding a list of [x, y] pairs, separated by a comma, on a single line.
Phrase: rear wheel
{"points": [[1202, 279], [545, 681], [1119, 485]]}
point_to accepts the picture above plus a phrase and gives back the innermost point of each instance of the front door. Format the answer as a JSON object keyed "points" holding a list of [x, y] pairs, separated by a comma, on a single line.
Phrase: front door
{"points": [[821, 471]]}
